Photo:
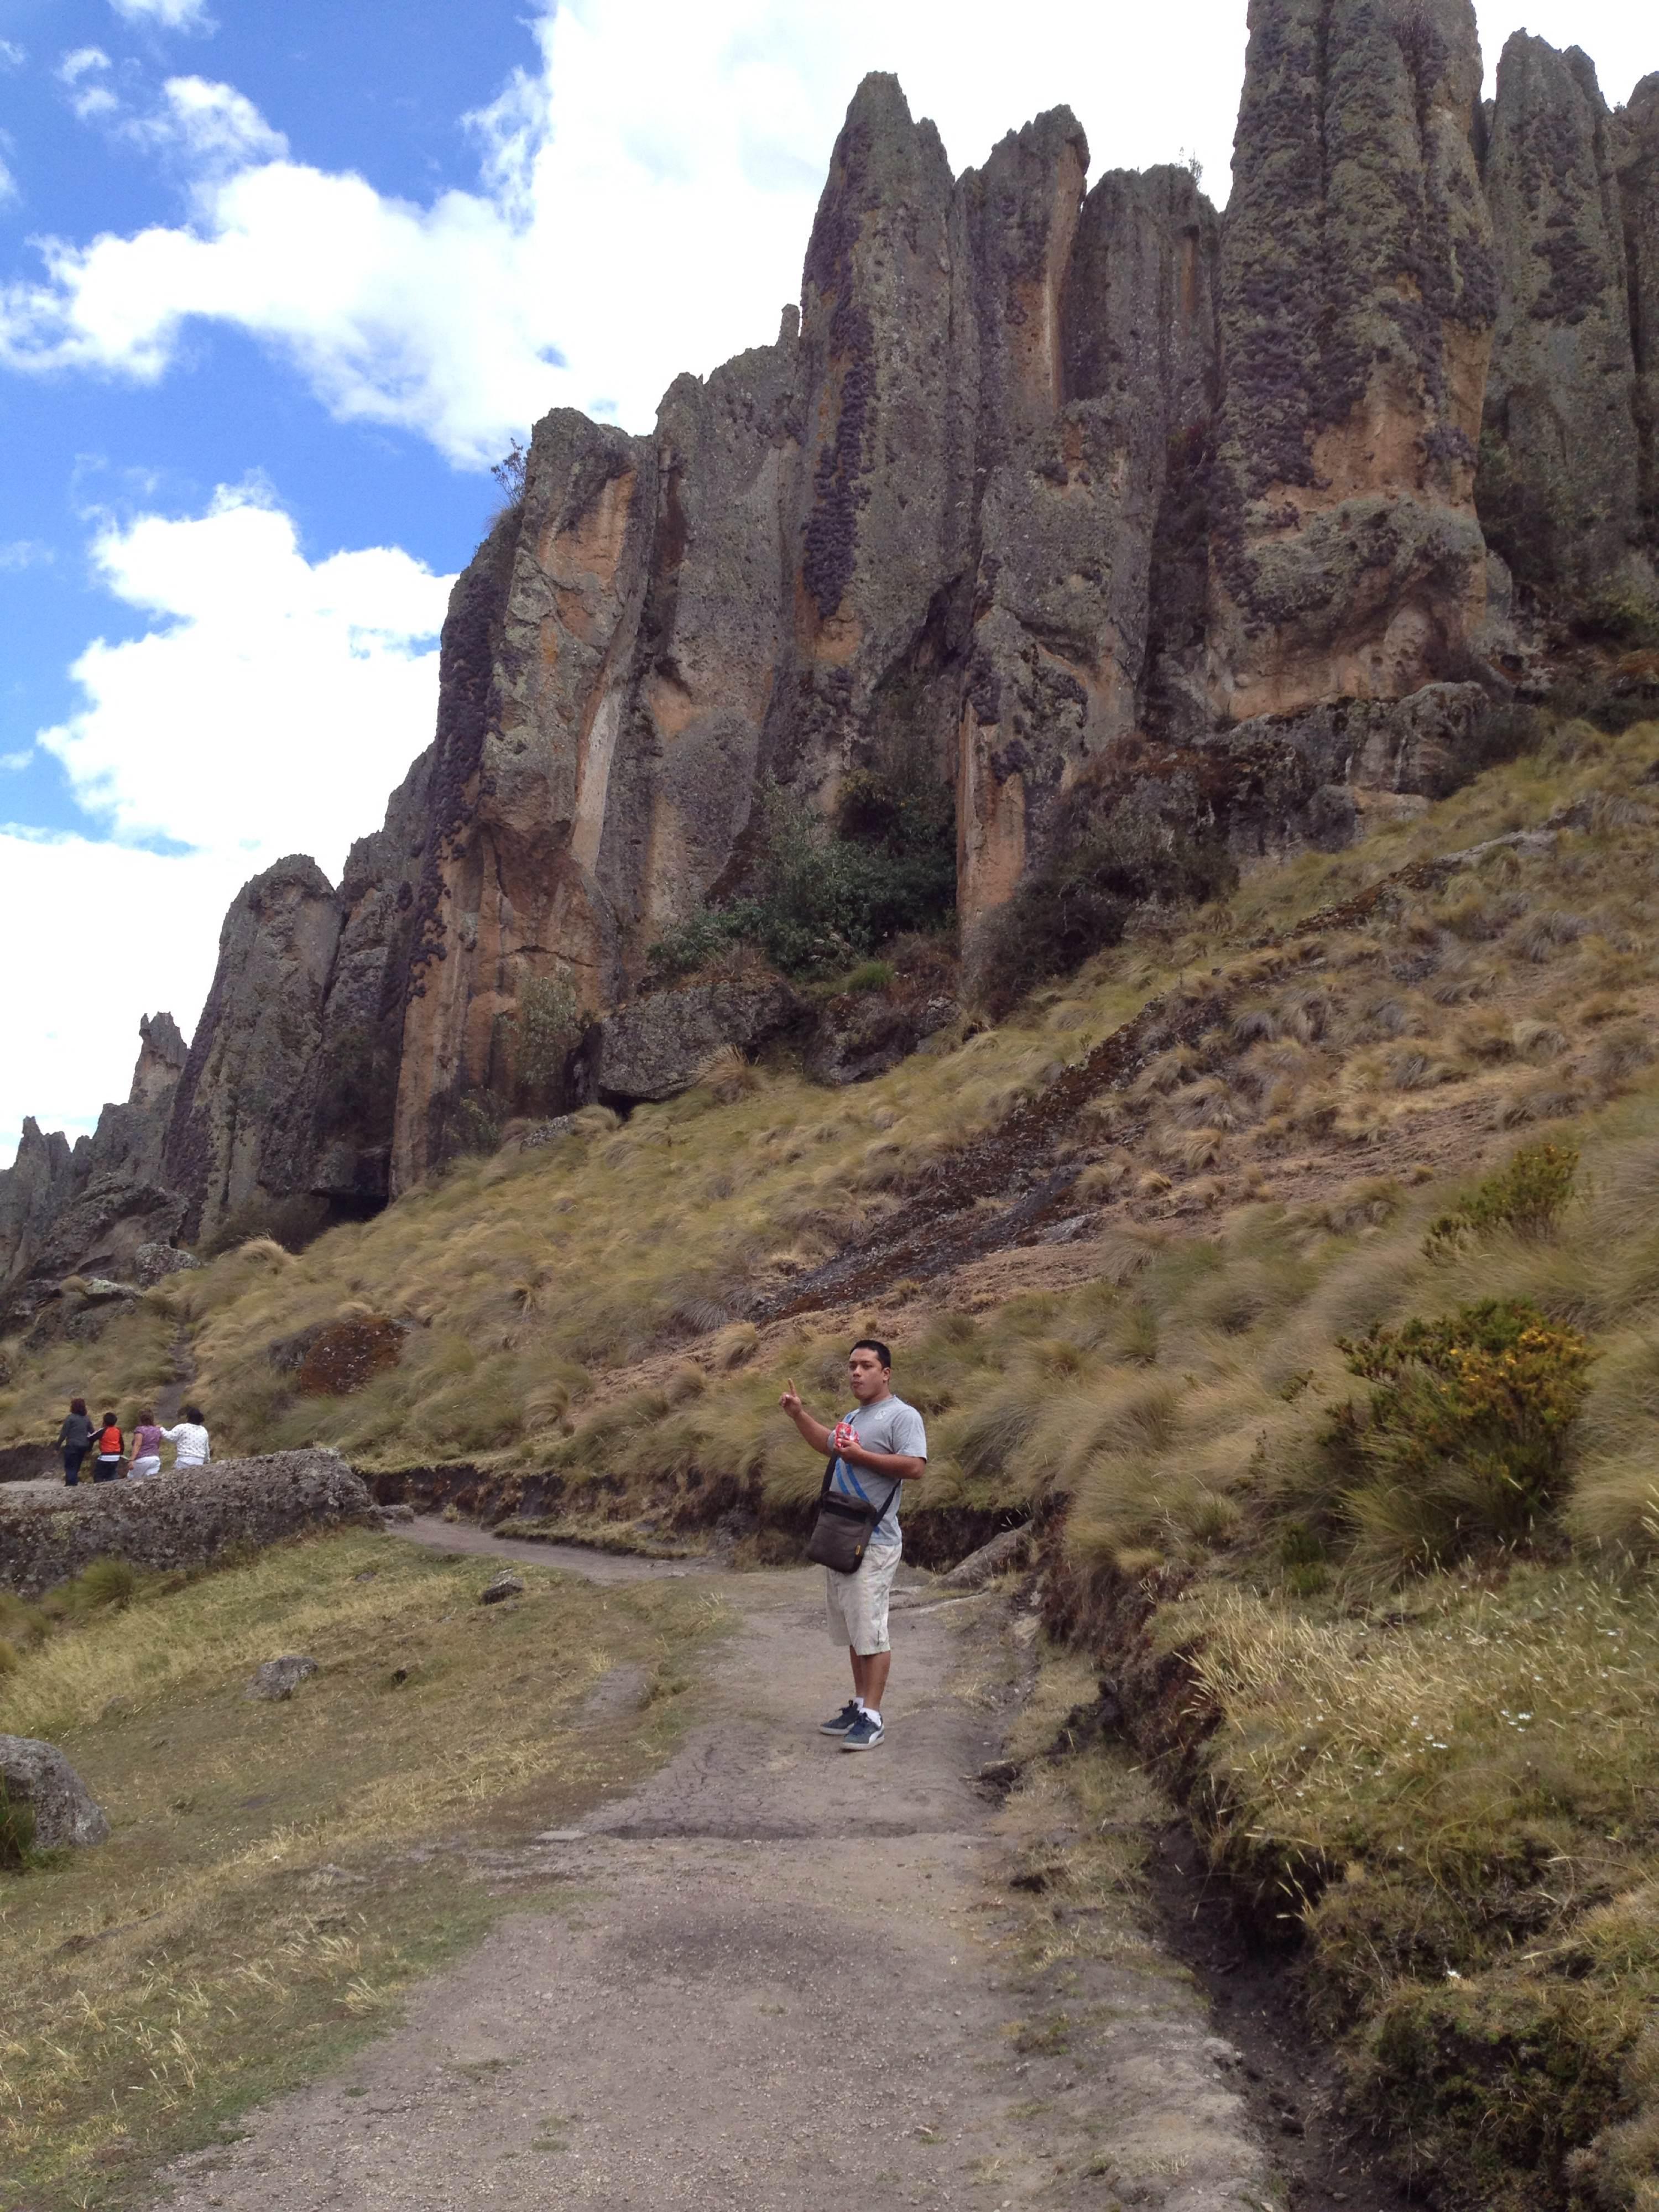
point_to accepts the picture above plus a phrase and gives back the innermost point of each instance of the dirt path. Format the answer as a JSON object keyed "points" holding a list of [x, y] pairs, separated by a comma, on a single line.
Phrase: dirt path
{"points": [[777, 1978], [575, 1559]]}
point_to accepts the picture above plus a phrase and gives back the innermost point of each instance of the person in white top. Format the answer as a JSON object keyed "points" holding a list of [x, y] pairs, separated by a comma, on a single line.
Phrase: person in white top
{"points": [[189, 1440]]}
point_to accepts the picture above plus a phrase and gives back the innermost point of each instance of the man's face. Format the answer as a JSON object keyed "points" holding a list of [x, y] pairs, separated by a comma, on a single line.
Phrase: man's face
{"points": [[867, 1374]]}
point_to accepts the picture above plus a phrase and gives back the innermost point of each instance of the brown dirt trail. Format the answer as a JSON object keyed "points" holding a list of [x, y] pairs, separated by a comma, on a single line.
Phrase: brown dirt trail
{"points": [[775, 1976]]}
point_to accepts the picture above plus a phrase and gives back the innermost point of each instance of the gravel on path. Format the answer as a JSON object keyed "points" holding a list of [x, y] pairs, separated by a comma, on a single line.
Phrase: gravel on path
{"points": [[773, 1978]]}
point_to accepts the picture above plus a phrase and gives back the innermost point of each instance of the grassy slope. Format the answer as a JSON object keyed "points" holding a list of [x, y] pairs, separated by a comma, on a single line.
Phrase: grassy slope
{"points": [[1452, 1783], [272, 1882]]}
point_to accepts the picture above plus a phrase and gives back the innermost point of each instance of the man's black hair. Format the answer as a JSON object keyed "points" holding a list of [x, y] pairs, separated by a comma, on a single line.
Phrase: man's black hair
{"points": [[874, 1344]]}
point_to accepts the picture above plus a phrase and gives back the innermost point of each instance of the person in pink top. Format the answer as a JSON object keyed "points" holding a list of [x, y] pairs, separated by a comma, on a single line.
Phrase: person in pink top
{"points": [[146, 1447]]}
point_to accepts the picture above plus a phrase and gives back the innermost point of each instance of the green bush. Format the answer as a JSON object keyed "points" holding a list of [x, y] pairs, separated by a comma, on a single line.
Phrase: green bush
{"points": [[111, 1583], [1527, 1195], [822, 894], [870, 976], [1465, 1437]]}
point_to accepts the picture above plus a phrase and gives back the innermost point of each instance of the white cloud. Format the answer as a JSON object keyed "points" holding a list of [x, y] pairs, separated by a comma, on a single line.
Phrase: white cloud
{"points": [[26, 553], [211, 125], [12, 56], [269, 708], [169, 14], [276, 702], [83, 74], [8, 184], [131, 933]]}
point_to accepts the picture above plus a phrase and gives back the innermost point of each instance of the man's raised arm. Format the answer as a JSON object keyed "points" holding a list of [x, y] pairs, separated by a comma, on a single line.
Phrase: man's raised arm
{"points": [[814, 1431]]}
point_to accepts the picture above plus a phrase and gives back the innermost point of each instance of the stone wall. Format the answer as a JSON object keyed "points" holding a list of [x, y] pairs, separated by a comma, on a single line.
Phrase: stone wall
{"points": [[176, 1520]]}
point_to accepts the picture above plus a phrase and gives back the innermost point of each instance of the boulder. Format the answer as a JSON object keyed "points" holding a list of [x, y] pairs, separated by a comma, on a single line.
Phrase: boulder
{"points": [[38, 1775], [501, 1587], [153, 1263], [280, 1678], [1003, 1555], [661, 1044], [164, 1525]]}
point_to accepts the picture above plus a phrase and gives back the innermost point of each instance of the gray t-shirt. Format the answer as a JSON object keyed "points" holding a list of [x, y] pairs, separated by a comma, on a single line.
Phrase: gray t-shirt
{"points": [[889, 1425]]}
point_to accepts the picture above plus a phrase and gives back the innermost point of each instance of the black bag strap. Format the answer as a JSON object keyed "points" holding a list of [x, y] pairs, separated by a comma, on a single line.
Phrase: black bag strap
{"points": [[829, 1466]]}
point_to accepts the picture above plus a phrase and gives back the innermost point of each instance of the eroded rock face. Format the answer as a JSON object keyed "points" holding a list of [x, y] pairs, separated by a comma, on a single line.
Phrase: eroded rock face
{"points": [[662, 1044], [1638, 190], [1560, 467], [917, 533], [241, 1118], [1097, 348], [1356, 301], [91, 1208]]}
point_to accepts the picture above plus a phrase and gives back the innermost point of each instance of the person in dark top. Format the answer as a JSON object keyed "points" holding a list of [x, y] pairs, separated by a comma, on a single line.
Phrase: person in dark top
{"points": [[110, 1445], [75, 1439]]}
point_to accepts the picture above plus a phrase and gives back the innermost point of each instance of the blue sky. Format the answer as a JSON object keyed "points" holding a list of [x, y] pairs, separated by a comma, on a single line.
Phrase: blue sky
{"points": [[279, 279]]}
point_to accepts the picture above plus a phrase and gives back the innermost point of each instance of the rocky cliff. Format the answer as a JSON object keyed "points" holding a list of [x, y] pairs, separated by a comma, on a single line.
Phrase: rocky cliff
{"points": [[1043, 487]]}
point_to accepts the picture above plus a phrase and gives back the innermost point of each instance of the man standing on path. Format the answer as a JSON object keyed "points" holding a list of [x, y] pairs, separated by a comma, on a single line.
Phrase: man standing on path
{"points": [[878, 1447]]}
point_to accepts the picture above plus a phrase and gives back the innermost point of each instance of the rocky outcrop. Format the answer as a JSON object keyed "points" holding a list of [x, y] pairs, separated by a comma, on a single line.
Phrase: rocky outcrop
{"points": [[1097, 352], [1356, 301], [1639, 192], [176, 1520], [662, 1044], [91, 1208], [241, 1119], [1425, 745], [1049, 496], [352, 1091], [1559, 486], [62, 1810]]}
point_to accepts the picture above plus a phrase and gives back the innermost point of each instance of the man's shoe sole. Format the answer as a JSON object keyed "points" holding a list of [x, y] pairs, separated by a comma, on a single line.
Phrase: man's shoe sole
{"points": [[834, 1728], [869, 1742]]}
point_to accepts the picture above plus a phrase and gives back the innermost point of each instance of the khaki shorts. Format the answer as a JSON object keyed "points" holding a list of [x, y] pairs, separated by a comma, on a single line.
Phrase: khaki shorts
{"points": [[858, 1603]]}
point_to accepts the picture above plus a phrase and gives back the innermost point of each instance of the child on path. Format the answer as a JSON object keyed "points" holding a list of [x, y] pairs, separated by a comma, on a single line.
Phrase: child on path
{"points": [[107, 1464]]}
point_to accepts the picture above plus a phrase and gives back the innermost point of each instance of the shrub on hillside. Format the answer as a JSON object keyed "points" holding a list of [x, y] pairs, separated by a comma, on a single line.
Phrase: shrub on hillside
{"points": [[1527, 1195], [1464, 1440], [823, 894]]}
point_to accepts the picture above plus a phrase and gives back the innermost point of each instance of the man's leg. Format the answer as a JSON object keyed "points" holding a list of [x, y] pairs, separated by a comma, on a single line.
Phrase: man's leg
{"points": [[870, 1676]]}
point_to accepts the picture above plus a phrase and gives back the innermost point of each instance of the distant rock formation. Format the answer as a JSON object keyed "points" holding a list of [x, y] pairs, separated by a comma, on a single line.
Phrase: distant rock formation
{"points": [[1357, 305], [1044, 488], [1561, 479]]}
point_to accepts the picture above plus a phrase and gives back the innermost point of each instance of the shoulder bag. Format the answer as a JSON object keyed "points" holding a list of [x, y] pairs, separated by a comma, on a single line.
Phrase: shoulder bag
{"points": [[840, 1535]]}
